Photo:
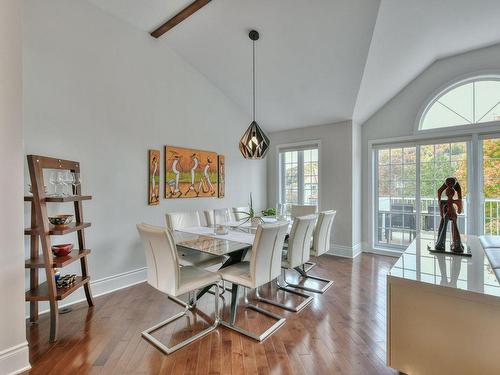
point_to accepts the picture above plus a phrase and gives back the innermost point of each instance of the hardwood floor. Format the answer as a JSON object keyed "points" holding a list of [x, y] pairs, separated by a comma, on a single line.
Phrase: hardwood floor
{"points": [[341, 332]]}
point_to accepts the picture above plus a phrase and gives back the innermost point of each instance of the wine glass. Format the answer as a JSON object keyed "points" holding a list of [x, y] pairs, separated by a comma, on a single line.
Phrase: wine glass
{"points": [[76, 180], [52, 181], [59, 181], [68, 181]]}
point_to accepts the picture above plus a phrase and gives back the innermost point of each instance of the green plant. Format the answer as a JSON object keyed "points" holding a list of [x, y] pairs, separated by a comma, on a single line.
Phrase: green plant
{"points": [[269, 211], [250, 214]]}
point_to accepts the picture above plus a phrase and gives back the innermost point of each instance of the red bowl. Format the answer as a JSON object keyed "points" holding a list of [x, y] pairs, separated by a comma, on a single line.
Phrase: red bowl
{"points": [[62, 249]]}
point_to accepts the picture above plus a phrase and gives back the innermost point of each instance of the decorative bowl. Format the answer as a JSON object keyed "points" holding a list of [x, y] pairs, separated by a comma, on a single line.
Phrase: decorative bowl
{"points": [[60, 219], [62, 249]]}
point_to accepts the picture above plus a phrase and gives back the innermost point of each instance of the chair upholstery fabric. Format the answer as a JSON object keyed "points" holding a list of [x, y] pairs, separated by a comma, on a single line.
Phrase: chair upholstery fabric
{"points": [[163, 270], [265, 261], [322, 232], [176, 220], [161, 258], [209, 215], [299, 242], [301, 210]]}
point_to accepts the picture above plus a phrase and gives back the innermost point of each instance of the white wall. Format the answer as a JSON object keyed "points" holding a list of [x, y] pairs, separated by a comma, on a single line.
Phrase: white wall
{"points": [[357, 182], [13, 345], [335, 175], [397, 118], [101, 92]]}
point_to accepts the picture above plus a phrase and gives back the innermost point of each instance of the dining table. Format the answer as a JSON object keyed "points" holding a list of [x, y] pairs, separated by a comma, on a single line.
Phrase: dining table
{"points": [[233, 245]]}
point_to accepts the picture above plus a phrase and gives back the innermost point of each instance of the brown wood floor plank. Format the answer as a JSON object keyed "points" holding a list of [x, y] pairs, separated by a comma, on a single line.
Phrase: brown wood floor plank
{"points": [[341, 332]]}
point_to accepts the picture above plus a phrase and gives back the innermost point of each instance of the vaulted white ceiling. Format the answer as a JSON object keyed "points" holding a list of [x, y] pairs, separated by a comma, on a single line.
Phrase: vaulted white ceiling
{"points": [[318, 61]]}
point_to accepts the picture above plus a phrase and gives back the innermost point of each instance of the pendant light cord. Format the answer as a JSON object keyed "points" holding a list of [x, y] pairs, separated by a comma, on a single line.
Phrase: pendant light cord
{"points": [[253, 79]]}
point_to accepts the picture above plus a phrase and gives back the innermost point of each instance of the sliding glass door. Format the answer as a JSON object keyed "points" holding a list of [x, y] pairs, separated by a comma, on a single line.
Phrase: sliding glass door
{"points": [[437, 162], [406, 182], [396, 196]]}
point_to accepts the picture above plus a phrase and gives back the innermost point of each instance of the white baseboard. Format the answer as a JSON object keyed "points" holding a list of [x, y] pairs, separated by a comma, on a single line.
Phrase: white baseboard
{"points": [[15, 360], [384, 252], [100, 287], [345, 251]]}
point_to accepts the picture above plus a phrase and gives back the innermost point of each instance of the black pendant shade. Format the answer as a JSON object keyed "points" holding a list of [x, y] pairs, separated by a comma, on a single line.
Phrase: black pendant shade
{"points": [[254, 144]]}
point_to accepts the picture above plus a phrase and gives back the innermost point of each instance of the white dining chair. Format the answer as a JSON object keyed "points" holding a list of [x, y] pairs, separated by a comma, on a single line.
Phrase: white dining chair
{"points": [[321, 244], [165, 274], [321, 236], [263, 267], [188, 257], [299, 248], [239, 212], [176, 220], [220, 212], [302, 210]]}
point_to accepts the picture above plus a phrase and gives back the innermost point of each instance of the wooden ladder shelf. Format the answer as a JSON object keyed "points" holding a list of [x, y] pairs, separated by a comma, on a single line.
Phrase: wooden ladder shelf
{"points": [[41, 231]]}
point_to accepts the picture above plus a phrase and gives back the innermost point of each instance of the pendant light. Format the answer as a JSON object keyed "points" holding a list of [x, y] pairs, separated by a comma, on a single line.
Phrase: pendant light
{"points": [[254, 144]]}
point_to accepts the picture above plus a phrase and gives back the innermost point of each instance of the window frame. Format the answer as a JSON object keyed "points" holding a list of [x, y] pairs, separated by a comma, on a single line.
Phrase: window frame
{"points": [[417, 143], [443, 90], [280, 172]]}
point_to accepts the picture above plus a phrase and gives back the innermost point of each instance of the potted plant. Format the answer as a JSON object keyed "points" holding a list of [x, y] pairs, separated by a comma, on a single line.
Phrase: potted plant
{"points": [[269, 211], [250, 215]]}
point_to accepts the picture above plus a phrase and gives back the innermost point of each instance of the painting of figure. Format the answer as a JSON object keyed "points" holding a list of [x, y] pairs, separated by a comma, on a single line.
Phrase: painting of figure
{"points": [[154, 177], [190, 173], [222, 176]]}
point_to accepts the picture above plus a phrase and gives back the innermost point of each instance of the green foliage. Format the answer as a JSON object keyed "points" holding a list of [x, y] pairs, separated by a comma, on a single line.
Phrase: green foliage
{"points": [[269, 212]]}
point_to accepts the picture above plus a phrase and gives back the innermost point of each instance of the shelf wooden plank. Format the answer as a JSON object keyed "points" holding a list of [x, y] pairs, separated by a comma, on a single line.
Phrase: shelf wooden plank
{"points": [[57, 231], [58, 262], [70, 198], [42, 293]]}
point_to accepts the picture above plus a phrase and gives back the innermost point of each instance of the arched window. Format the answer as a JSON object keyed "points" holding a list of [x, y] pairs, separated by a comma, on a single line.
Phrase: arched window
{"points": [[470, 102]]}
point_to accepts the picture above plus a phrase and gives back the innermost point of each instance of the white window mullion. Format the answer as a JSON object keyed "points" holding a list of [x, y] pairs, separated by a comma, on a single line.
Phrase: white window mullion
{"points": [[300, 177], [417, 191], [474, 196]]}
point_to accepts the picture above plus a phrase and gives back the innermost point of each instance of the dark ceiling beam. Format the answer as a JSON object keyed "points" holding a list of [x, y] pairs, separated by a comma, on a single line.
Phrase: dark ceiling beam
{"points": [[179, 17]]}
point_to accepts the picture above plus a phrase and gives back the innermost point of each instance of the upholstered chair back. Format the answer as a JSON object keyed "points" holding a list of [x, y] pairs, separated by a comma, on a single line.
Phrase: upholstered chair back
{"points": [[161, 258], [176, 220], [298, 210], [238, 212], [265, 262], [299, 242], [322, 232], [220, 213]]}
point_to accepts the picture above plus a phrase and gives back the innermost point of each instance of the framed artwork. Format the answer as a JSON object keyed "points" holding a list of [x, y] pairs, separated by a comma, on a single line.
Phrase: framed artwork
{"points": [[221, 161], [190, 173], [154, 177]]}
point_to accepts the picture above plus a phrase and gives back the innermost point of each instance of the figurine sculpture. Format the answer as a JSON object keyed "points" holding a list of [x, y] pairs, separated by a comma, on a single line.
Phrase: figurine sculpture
{"points": [[448, 212]]}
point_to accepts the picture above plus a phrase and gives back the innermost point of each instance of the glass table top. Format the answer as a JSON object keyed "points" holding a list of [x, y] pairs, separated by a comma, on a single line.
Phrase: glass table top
{"points": [[206, 244], [472, 274]]}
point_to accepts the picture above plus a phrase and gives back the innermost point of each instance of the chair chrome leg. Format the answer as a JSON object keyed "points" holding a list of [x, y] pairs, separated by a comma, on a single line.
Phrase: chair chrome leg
{"points": [[167, 350], [310, 265], [303, 274], [297, 308], [259, 337], [224, 289], [182, 303]]}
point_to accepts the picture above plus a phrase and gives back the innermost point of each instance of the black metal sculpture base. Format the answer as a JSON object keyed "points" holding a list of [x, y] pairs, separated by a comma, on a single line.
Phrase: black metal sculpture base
{"points": [[465, 253]]}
